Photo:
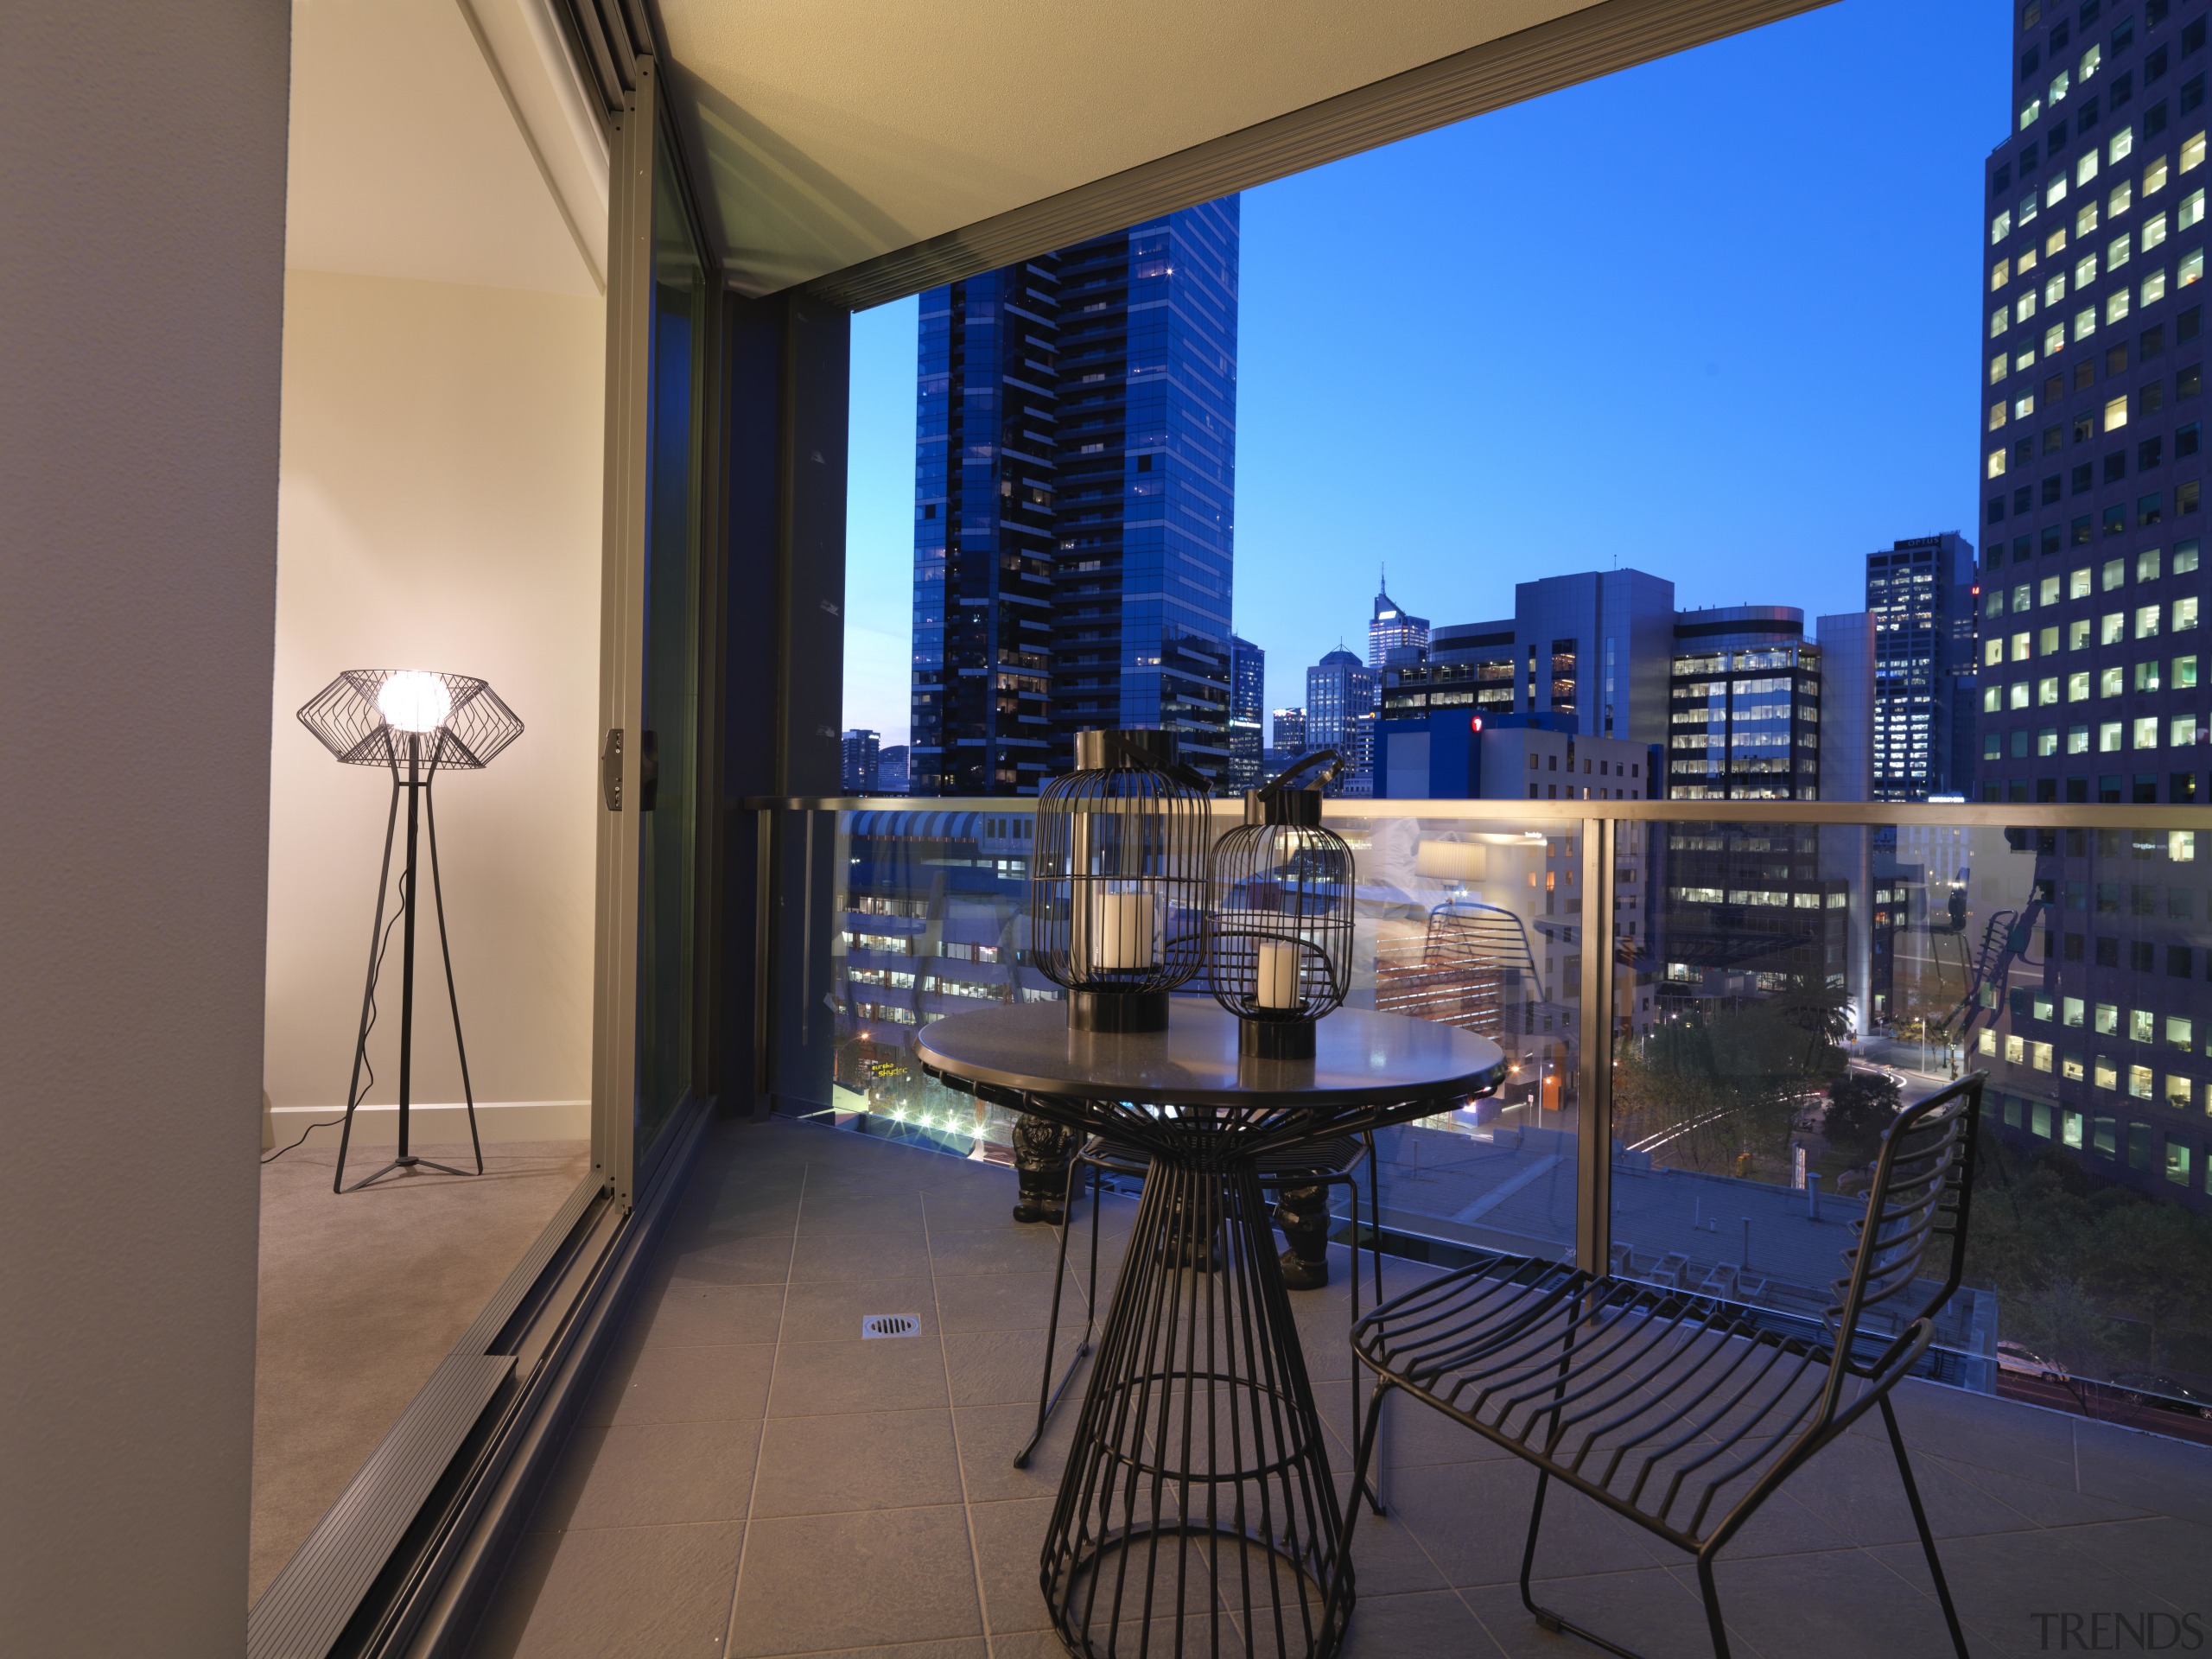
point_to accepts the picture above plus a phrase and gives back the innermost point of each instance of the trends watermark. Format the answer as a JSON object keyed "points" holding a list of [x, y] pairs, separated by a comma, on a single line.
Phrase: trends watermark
{"points": [[2119, 1632]]}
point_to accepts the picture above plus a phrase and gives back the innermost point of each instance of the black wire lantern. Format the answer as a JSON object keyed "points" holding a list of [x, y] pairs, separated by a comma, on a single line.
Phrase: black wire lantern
{"points": [[1279, 947], [1118, 880]]}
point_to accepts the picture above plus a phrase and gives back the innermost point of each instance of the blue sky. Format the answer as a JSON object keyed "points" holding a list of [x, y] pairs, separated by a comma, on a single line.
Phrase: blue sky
{"points": [[1717, 318]]}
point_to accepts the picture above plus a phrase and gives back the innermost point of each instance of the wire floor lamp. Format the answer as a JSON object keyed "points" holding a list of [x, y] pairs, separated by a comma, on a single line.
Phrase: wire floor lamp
{"points": [[414, 724]]}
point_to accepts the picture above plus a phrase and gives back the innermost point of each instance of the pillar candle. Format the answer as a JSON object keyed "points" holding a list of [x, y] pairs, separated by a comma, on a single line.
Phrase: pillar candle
{"points": [[1121, 931], [1278, 987]]}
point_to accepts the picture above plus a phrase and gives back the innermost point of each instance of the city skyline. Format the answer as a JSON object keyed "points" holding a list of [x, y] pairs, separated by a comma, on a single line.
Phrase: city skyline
{"points": [[1711, 460]]}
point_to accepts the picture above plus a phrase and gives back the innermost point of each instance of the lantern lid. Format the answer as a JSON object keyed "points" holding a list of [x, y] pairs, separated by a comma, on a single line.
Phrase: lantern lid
{"points": [[1280, 802], [1103, 751]]}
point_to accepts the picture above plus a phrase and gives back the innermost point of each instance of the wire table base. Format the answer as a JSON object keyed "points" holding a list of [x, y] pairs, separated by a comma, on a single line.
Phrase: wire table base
{"points": [[1198, 1513]]}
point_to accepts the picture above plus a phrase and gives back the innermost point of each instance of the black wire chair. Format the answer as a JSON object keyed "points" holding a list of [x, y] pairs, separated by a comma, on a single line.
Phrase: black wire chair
{"points": [[1679, 1412], [1326, 1163]]}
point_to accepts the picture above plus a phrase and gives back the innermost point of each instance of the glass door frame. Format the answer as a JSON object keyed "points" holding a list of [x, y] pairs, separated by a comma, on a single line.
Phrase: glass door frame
{"points": [[621, 1157]]}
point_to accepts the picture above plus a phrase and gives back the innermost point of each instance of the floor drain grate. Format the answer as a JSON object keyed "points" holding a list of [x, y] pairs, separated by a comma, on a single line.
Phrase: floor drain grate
{"points": [[890, 1325]]}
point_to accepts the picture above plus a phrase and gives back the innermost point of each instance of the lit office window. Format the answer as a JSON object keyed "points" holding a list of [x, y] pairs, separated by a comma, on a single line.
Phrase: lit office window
{"points": [[2154, 176], [2154, 232], [2077, 740], [2146, 621], [2146, 732], [2085, 322], [2077, 687], [2116, 408], [2109, 735], [2000, 274]]}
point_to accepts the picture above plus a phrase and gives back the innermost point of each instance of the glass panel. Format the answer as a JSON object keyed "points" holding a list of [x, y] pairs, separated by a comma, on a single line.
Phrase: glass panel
{"points": [[922, 914], [1478, 927], [1803, 983], [667, 854]]}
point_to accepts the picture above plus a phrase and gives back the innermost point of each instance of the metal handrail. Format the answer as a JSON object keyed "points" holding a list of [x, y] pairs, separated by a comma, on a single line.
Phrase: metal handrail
{"points": [[1878, 814]]}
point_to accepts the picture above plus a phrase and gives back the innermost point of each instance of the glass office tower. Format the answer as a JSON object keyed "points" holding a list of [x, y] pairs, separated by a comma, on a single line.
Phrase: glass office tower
{"points": [[1394, 628], [2092, 584], [2091, 407], [1247, 696], [1920, 598], [1075, 476]]}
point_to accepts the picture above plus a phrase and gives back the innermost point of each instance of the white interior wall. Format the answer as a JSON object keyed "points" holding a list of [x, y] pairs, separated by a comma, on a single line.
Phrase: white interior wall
{"points": [[142, 189], [439, 507]]}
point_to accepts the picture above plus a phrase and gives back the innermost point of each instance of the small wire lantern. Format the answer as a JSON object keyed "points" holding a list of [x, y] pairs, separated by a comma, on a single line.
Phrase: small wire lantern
{"points": [[1118, 880], [1279, 946]]}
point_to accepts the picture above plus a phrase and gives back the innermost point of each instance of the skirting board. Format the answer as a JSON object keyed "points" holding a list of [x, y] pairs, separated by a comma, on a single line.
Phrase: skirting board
{"points": [[442, 1121]]}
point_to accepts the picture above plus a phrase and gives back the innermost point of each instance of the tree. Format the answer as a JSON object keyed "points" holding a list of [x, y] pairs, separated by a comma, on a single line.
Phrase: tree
{"points": [[2153, 1260], [1861, 1107]]}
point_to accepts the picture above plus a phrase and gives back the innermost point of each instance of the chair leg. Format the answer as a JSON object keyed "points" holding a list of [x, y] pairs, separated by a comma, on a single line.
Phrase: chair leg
{"points": [[1710, 1594], [1363, 1456], [1375, 1217], [1926, 1538], [1046, 1396], [1557, 1624], [1370, 1488]]}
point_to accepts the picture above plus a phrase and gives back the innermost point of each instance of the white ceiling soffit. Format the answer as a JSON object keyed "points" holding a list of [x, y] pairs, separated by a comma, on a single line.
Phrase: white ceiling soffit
{"points": [[876, 138], [442, 141]]}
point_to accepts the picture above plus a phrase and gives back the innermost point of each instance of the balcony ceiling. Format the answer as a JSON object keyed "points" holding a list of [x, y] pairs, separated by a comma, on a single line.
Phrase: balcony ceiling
{"points": [[834, 132]]}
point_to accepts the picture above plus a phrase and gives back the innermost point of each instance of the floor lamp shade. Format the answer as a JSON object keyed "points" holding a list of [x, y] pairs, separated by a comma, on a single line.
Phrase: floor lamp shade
{"points": [[366, 715], [415, 724], [1117, 880]]}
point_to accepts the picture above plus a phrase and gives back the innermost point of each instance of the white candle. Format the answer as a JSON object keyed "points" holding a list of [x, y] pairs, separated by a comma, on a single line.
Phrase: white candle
{"points": [[1278, 975], [1121, 931]]}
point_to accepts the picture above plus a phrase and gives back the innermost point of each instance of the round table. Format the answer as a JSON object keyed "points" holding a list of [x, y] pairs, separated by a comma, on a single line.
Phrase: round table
{"points": [[1198, 1512]]}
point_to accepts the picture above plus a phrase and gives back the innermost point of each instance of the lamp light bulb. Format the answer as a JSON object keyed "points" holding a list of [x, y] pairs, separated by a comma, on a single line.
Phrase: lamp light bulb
{"points": [[413, 701]]}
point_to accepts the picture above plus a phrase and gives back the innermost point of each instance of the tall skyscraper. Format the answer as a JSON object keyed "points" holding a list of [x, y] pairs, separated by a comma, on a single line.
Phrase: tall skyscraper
{"points": [[1248, 698], [861, 756], [1393, 629], [1920, 599], [1075, 472], [1289, 730], [1338, 689], [2090, 403]]}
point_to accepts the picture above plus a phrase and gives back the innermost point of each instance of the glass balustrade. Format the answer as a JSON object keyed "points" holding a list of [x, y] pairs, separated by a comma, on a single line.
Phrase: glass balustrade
{"points": [[1769, 990]]}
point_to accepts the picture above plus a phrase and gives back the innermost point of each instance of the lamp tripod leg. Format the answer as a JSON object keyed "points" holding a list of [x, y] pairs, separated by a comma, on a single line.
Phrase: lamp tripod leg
{"points": [[453, 996], [368, 987]]}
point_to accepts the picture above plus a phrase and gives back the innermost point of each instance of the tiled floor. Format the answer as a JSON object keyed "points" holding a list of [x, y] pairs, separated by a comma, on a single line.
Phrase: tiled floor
{"points": [[754, 1480]]}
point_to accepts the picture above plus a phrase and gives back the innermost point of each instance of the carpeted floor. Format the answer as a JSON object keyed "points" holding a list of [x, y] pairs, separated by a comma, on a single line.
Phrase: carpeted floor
{"points": [[361, 1296]]}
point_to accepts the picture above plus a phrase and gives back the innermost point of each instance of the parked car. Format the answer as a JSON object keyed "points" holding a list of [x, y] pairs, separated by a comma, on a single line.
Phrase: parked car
{"points": [[2149, 1389], [2011, 1357]]}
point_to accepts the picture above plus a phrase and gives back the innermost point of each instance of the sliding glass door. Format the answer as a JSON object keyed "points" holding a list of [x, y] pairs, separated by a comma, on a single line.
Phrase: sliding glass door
{"points": [[661, 315]]}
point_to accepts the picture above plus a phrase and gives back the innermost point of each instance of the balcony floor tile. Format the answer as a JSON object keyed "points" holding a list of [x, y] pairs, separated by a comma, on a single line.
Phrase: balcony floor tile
{"points": [[751, 1478]]}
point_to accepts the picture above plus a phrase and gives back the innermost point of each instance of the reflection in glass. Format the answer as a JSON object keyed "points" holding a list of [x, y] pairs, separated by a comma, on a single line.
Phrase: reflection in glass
{"points": [[667, 855]]}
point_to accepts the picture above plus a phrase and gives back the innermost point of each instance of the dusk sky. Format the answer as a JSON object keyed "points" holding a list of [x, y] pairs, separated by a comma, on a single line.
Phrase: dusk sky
{"points": [[1717, 318]]}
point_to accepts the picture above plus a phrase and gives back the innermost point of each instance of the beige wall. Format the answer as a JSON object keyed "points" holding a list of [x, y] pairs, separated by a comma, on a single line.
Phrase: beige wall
{"points": [[439, 508], [141, 224]]}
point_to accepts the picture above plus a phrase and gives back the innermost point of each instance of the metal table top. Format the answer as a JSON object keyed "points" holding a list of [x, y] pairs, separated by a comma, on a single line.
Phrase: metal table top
{"points": [[1361, 1058]]}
